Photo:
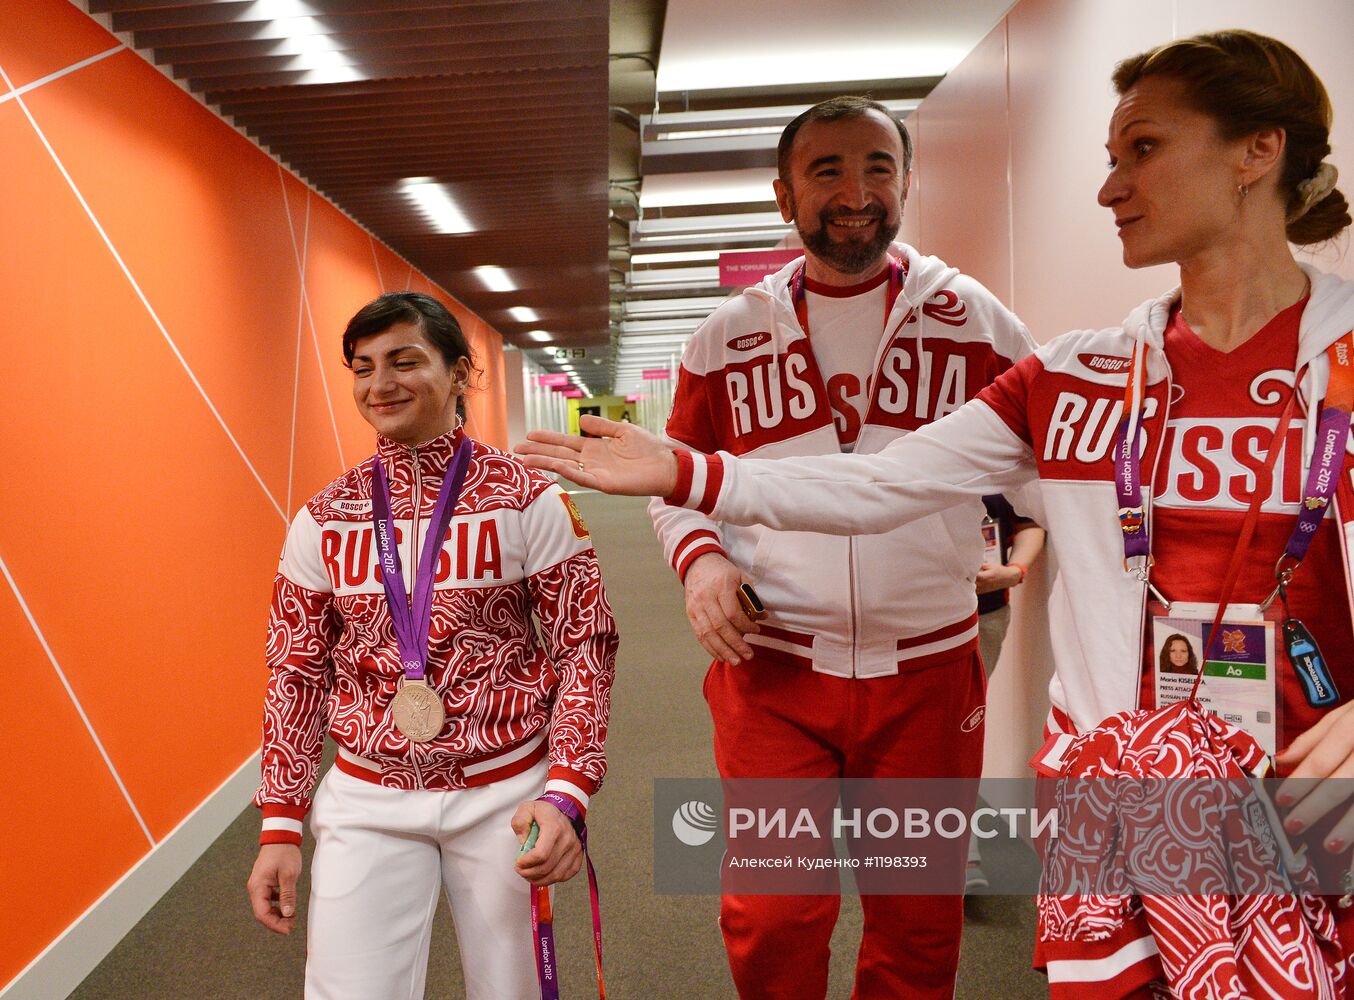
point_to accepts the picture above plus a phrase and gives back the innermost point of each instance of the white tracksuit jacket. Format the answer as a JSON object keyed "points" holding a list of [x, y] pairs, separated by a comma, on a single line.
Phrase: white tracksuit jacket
{"points": [[1051, 417], [749, 385]]}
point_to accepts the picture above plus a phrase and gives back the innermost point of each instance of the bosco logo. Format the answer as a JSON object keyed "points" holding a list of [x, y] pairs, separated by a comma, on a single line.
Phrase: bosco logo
{"points": [[947, 307], [974, 720], [749, 342], [1104, 363]]}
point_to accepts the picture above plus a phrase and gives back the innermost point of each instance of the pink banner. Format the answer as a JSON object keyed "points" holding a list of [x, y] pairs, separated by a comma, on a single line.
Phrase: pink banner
{"points": [[547, 381], [656, 374], [634, 397], [747, 267], [572, 393]]}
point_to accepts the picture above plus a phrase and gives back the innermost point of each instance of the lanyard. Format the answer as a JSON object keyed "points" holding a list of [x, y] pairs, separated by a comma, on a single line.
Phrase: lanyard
{"points": [[542, 918], [897, 274], [1328, 458], [1262, 488], [413, 619]]}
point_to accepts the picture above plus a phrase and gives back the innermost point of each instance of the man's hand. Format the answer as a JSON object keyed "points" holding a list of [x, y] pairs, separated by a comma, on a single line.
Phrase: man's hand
{"points": [[712, 607], [992, 578], [557, 855], [272, 886], [621, 459]]}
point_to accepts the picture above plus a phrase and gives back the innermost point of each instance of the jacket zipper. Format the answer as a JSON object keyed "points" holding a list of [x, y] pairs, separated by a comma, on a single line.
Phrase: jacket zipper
{"points": [[411, 575], [851, 586], [816, 374]]}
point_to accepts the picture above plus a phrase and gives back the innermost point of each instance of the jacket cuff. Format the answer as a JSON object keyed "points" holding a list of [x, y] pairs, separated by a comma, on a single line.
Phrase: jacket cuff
{"points": [[577, 787], [282, 823], [699, 478], [692, 547]]}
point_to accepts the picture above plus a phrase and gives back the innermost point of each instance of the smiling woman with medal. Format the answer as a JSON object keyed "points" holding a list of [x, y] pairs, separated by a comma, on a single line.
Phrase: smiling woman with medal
{"points": [[402, 626], [1192, 465]]}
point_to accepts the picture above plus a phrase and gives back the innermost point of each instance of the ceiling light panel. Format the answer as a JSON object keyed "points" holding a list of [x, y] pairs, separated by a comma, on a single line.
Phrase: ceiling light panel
{"points": [[495, 279], [686, 256], [708, 187], [524, 315], [705, 42], [729, 223], [638, 327], [731, 122], [435, 203]]}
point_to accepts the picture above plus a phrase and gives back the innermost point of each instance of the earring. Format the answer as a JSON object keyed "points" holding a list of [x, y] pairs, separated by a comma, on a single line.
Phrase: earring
{"points": [[1243, 190]]}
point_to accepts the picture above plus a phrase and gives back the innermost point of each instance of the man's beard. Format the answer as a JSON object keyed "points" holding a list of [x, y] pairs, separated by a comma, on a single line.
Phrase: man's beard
{"points": [[848, 256]]}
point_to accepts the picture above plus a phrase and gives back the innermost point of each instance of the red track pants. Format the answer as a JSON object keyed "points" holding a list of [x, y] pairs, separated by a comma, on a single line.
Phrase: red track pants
{"points": [[778, 721]]}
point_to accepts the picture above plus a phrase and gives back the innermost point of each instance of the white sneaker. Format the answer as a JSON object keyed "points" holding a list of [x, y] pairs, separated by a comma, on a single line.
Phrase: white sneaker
{"points": [[974, 878]]}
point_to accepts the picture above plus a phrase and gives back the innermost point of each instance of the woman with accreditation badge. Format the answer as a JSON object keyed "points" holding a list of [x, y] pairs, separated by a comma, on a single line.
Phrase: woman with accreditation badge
{"points": [[401, 625], [1193, 474]]}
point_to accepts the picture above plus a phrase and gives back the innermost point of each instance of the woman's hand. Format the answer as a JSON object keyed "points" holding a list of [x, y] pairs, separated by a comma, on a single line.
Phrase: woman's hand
{"points": [[272, 886], [621, 459], [557, 855], [1322, 777]]}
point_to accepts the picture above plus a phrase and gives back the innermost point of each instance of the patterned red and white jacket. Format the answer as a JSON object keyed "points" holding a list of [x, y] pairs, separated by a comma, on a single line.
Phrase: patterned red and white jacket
{"points": [[516, 547], [750, 386]]}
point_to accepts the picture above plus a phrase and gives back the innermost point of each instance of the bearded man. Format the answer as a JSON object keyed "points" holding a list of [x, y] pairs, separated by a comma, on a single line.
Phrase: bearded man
{"points": [[867, 665]]}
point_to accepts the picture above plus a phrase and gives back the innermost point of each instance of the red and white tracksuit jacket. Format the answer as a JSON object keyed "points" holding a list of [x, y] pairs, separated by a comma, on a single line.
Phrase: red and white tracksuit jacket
{"points": [[516, 546], [749, 385], [1051, 418]]}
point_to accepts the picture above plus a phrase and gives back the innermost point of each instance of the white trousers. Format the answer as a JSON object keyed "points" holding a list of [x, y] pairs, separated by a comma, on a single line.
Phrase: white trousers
{"points": [[380, 854]]}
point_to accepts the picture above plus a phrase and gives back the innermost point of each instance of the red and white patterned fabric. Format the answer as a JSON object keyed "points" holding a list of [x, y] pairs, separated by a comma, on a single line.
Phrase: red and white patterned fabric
{"points": [[751, 384], [1155, 812], [516, 547]]}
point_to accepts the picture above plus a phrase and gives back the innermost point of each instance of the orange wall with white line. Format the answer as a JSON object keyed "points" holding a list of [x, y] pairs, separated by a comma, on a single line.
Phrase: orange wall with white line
{"points": [[170, 309]]}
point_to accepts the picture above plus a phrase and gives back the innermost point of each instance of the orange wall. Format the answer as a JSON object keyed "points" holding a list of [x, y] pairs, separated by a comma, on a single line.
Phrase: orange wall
{"points": [[1009, 159], [153, 449]]}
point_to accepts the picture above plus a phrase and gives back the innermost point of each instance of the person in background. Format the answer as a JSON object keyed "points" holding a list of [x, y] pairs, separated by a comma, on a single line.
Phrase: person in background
{"points": [[856, 344], [458, 729], [1015, 543]]}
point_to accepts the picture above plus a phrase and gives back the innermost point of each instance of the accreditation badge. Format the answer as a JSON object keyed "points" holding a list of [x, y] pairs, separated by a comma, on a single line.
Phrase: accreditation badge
{"points": [[1239, 682], [992, 542]]}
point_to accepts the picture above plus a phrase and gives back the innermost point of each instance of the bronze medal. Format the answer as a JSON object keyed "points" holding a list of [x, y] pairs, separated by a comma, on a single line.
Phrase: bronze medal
{"points": [[417, 710]]}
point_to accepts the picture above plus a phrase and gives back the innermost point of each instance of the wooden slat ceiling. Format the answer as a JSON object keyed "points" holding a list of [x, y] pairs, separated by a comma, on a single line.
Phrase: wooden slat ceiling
{"points": [[503, 101]]}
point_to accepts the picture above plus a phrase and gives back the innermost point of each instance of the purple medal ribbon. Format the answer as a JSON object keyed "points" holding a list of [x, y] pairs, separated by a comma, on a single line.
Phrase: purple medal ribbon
{"points": [[542, 924], [1328, 461], [413, 620], [1128, 468]]}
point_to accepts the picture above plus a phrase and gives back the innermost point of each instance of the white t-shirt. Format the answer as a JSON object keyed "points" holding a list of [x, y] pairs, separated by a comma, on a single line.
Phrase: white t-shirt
{"points": [[845, 327]]}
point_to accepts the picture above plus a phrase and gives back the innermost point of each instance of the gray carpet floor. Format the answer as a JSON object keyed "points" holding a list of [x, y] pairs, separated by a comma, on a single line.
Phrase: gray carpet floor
{"points": [[201, 942]]}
